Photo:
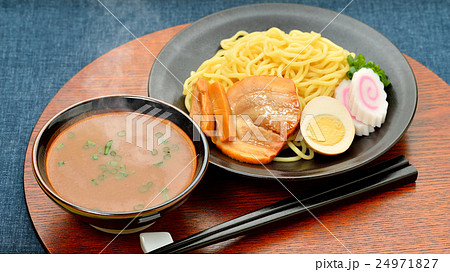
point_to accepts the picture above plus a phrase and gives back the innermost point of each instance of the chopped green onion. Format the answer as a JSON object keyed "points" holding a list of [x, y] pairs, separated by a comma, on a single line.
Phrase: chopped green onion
{"points": [[102, 167], [138, 207], [120, 177], [158, 134], [351, 71], [360, 62], [112, 163], [108, 147], [94, 182], [122, 167], [61, 163], [60, 146], [165, 193], [144, 188], [94, 156], [158, 163], [71, 135], [123, 174], [133, 172], [101, 150], [167, 157], [154, 152], [175, 147], [166, 150], [117, 158], [122, 133], [101, 177], [113, 153], [114, 171], [88, 145]]}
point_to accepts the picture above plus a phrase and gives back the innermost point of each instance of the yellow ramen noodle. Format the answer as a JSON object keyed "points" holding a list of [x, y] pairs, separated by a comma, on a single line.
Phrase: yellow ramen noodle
{"points": [[315, 64]]}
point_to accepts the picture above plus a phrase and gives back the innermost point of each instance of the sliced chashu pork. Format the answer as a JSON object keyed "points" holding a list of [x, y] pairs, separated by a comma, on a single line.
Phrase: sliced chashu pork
{"points": [[267, 111], [253, 144], [271, 102], [201, 107]]}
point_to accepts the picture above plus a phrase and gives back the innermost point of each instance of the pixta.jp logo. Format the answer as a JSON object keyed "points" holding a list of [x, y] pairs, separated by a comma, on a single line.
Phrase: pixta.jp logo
{"points": [[141, 128]]}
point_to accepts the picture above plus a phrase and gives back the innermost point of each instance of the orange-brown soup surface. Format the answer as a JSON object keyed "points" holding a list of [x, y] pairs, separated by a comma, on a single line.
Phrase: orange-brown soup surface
{"points": [[109, 163]]}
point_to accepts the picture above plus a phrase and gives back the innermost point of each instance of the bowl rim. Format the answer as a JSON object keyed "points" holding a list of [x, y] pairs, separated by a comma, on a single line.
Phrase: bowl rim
{"points": [[131, 214]]}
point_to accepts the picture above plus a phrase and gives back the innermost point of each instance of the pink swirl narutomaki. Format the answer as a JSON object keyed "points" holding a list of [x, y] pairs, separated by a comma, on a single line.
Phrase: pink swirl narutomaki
{"points": [[368, 98], [342, 93]]}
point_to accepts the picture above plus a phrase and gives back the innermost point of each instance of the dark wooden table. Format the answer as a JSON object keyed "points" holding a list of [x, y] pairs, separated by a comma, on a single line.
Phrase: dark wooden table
{"points": [[410, 219]]}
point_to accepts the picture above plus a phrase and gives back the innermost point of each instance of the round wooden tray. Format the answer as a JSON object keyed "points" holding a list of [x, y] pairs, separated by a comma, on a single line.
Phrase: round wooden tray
{"points": [[410, 219]]}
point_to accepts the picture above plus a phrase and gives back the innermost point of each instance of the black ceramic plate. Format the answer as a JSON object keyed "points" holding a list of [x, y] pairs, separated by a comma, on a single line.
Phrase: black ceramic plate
{"points": [[199, 41]]}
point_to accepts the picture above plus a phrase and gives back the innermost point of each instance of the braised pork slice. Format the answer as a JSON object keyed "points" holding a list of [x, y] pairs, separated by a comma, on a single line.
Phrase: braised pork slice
{"points": [[254, 144], [271, 102], [201, 107], [267, 111]]}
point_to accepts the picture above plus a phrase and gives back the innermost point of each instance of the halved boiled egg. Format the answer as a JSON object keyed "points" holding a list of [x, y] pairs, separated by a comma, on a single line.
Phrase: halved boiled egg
{"points": [[327, 126]]}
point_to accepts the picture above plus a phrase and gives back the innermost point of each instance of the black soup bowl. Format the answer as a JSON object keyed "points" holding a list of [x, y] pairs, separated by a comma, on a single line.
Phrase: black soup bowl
{"points": [[118, 222]]}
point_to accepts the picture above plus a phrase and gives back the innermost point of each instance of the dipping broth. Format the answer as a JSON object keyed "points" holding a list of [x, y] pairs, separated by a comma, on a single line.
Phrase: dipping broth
{"points": [[94, 163]]}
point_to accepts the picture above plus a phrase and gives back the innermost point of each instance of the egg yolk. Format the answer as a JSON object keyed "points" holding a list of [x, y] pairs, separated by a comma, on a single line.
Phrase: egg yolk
{"points": [[326, 129]]}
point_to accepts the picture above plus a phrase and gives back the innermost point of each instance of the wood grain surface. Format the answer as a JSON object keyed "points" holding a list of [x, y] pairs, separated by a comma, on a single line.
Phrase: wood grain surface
{"points": [[409, 219]]}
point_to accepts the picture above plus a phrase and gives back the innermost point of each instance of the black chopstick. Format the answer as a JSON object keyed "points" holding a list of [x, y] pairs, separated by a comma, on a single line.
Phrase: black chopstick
{"points": [[391, 172], [408, 172], [285, 204]]}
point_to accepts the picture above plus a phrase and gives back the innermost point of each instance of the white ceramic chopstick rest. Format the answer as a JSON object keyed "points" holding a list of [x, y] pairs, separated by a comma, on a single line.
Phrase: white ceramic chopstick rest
{"points": [[153, 240]]}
